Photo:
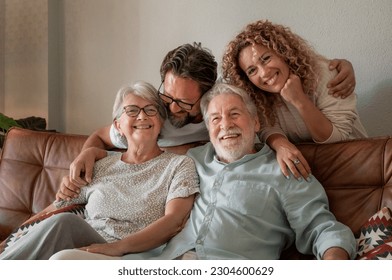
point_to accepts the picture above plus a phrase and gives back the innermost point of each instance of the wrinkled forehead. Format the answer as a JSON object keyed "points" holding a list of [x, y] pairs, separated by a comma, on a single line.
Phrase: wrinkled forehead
{"points": [[225, 102]]}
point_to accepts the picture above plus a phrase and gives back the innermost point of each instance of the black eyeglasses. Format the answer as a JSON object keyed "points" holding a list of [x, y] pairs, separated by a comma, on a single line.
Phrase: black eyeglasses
{"points": [[169, 100], [133, 110]]}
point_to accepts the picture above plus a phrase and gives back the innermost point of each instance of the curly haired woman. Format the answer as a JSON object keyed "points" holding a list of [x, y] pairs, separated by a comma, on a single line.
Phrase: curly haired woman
{"points": [[288, 81]]}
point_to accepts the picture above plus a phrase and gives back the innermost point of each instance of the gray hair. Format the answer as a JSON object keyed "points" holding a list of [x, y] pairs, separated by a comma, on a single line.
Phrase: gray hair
{"points": [[224, 88], [142, 89]]}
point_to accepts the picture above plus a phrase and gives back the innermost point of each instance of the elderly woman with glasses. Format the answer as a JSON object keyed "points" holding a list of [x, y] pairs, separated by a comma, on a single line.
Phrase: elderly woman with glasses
{"points": [[137, 200]]}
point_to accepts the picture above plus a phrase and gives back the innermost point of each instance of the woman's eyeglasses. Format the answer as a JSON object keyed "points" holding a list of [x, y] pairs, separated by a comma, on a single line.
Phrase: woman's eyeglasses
{"points": [[133, 110]]}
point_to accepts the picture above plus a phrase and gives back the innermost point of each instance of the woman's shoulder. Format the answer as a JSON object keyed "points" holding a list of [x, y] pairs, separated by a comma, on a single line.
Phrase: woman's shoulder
{"points": [[177, 161], [323, 70], [175, 157], [324, 75], [323, 67], [111, 158]]}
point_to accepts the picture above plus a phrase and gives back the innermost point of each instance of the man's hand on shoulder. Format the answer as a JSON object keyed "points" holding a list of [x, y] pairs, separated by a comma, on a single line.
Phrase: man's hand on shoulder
{"points": [[344, 83], [81, 169]]}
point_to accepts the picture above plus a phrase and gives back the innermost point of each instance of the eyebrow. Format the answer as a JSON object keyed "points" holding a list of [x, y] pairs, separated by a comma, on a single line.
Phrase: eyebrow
{"points": [[214, 114], [261, 55], [235, 108]]}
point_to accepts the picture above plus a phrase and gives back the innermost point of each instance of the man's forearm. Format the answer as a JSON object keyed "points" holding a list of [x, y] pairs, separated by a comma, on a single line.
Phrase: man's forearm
{"points": [[94, 141], [99, 139]]}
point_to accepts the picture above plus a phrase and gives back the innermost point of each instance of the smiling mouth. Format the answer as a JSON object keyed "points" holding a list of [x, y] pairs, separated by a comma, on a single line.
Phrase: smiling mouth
{"points": [[142, 126], [230, 136], [271, 80]]}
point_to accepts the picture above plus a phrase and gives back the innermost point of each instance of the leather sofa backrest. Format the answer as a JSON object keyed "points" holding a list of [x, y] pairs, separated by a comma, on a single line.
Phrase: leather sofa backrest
{"points": [[31, 168], [357, 174]]}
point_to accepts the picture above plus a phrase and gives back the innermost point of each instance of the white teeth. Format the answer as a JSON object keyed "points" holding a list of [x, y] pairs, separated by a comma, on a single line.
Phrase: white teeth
{"points": [[272, 80], [142, 126], [229, 136]]}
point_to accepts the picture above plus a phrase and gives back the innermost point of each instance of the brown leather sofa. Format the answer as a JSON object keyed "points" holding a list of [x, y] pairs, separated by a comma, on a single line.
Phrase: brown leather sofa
{"points": [[357, 175]]}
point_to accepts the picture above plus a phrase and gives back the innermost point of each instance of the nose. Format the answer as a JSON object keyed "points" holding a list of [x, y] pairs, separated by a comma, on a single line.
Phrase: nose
{"points": [[263, 69], [142, 115], [226, 123], [174, 107]]}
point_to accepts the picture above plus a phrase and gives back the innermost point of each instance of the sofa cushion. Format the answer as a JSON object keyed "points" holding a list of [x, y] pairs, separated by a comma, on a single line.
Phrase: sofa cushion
{"points": [[375, 239]]}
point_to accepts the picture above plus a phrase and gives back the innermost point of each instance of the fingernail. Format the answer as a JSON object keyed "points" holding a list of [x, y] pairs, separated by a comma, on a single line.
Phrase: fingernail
{"points": [[287, 177], [299, 179]]}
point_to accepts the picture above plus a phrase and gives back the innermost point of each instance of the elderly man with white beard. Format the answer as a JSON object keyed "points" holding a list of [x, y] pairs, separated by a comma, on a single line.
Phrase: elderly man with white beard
{"points": [[247, 209]]}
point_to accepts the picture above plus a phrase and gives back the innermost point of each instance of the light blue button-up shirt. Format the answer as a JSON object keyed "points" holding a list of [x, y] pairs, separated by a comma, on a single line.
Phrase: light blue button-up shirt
{"points": [[248, 210]]}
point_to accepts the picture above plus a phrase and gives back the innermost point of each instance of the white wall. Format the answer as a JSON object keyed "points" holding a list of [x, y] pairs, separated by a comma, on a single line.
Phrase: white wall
{"points": [[104, 44], [25, 58]]}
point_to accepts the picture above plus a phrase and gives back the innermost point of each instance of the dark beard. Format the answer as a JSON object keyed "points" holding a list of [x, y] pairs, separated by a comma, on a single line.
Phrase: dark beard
{"points": [[179, 122]]}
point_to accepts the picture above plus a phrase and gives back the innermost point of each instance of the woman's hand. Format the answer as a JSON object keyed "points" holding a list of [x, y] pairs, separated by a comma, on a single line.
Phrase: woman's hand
{"points": [[318, 125], [290, 159], [293, 91], [113, 249], [340, 86]]}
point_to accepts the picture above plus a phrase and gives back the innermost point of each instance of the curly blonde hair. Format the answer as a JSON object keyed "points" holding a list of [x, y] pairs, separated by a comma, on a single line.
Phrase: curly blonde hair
{"points": [[296, 52]]}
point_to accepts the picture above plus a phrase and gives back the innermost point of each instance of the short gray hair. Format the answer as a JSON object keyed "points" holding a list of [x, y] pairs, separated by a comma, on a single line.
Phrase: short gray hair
{"points": [[224, 88], [142, 89]]}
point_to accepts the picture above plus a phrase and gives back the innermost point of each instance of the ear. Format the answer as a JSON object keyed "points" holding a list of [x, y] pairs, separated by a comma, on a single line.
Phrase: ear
{"points": [[257, 125], [117, 125]]}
